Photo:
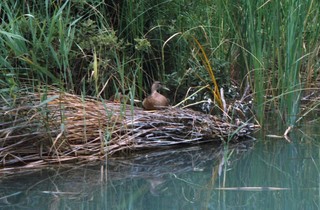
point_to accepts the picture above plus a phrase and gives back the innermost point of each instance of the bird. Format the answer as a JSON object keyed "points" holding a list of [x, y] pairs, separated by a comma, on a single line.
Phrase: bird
{"points": [[155, 100]]}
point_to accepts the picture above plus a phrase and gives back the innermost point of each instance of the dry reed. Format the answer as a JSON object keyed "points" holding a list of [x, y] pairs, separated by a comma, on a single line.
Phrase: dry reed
{"points": [[41, 129]]}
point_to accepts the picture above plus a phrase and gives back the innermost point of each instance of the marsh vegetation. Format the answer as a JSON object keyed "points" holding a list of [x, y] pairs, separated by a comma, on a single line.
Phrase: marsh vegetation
{"points": [[265, 54], [98, 48]]}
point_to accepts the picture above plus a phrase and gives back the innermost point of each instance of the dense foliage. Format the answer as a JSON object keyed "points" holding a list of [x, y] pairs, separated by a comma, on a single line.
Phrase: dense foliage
{"points": [[98, 47]]}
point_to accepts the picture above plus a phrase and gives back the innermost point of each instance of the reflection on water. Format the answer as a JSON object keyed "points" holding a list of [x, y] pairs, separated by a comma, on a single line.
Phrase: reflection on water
{"points": [[266, 174]]}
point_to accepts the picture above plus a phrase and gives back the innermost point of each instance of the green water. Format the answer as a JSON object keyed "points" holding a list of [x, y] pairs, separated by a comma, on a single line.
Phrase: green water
{"points": [[264, 174]]}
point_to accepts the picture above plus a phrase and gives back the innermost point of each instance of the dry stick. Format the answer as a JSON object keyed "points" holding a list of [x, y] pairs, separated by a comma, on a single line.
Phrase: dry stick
{"points": [[224, 104], [285, 135]]}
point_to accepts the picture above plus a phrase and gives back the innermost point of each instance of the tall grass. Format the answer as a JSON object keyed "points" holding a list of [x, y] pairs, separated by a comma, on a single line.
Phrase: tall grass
{"points": [[100, 48], [272, 38], [69, 44]]}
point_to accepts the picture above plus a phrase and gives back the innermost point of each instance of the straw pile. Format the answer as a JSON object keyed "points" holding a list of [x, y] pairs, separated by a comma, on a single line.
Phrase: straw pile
{"points": [[59, 127]]}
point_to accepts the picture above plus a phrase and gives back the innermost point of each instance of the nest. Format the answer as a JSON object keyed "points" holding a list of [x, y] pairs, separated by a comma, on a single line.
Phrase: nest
{"points": [[41, 129]]}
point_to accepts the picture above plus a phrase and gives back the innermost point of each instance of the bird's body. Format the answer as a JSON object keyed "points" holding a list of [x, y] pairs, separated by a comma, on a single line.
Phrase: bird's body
{"points": [[155, 100]]}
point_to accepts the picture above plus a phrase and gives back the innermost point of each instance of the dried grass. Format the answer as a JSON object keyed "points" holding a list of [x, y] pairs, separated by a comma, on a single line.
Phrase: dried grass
{"points": [[66, 127]]}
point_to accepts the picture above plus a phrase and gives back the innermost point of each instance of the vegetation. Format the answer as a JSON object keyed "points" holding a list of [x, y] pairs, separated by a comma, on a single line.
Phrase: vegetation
{"points": [[98, 48]]}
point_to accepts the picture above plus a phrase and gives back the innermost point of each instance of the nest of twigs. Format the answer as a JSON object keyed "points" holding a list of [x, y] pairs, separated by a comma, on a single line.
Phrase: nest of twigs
{"points": [[39, 129]]}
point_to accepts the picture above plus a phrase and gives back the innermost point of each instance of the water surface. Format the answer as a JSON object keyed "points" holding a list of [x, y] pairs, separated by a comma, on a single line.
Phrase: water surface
{"points": [[264, 174]]}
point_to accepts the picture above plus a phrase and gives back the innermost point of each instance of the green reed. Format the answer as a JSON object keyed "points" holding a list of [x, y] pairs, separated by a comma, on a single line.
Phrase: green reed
{"points": [[122, 46], [272, 39]]}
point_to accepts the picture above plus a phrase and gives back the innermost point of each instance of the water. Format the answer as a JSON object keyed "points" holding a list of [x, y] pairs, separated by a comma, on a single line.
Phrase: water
{"points": [[266, 174]]}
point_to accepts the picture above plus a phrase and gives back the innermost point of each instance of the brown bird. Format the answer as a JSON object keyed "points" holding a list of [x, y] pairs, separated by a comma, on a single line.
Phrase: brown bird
{"points": [[155, 100]]}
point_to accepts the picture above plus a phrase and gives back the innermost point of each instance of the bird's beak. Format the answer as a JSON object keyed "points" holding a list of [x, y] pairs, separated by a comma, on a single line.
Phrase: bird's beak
{"points": [[164, 87]]}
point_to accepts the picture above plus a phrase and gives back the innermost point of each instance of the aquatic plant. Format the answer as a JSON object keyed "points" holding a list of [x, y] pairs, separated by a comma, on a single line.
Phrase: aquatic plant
{"points": [[99, 48]]}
